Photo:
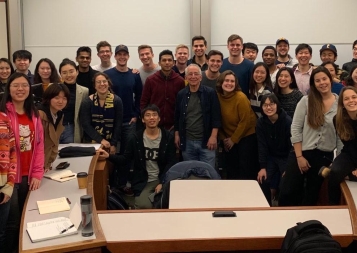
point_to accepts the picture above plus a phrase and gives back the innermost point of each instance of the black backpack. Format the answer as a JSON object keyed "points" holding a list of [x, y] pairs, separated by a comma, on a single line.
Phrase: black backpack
{"points": [[309, 237], [116, 201]]}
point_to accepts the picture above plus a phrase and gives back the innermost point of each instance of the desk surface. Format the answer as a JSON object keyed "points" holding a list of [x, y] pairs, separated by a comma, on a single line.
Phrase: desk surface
{"points": [[52, 189], [186, 194]]}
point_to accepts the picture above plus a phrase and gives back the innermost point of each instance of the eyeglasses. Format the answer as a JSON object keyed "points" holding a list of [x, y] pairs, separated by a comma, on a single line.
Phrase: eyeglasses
{"points": [[271, 105], [194, 74], [354, 49], [18, 85], [101, 82]]}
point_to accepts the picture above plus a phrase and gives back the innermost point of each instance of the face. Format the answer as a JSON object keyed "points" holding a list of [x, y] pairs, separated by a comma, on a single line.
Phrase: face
{"points": [[182, 55], [44, 70], [350, 101], [101, 84], [193, 76], [151, 119], [199, 47], [259, 75], [322, 83], [303, 56], [331, 69], [327, 56], [59, 102], [229, 84], [282, 48], [250, 54], [269, 107], [235, 47], [105, 53], [214, 63], [84, 59], [5, 70], [69, 74], [354, 50], [145, 56], [284, 79], [22, 64], [354, 76], [166, 63], [122, 58], [269, 57], [19, 89]]}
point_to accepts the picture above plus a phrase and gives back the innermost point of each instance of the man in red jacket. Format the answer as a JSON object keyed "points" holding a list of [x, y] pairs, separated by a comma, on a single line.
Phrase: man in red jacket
{"points": [[161, 89]]}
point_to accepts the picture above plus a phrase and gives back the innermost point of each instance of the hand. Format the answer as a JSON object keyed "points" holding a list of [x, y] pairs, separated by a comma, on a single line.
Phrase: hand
{"points": [[158, 188], [354, 172], [105, 143], [47, 169], [112, 150], [177, 140], [304, 165], [6, 199], [133, 120], [212, 143], [228, 144], [103, 154], [262, 175], [135, 71], [281, 65], [34, 184]]}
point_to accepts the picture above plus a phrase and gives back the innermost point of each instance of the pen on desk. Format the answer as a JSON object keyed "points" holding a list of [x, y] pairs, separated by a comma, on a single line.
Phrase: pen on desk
{"points": [[68, 201], [67, 176], [66, 229]]}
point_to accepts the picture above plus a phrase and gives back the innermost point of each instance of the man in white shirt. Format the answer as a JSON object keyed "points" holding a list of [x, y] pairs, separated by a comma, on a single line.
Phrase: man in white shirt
{"points": [[148, 68], [104, 52]]}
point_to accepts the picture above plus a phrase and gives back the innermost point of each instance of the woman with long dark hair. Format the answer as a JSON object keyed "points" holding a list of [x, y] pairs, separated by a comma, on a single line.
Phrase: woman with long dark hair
{"points": [[6, 70]]}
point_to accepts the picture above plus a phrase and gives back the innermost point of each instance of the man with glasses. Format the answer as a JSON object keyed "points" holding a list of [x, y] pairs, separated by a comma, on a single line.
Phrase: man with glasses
{"points": [[85, 71], [197, 119], [349, 65], [104, 52]]}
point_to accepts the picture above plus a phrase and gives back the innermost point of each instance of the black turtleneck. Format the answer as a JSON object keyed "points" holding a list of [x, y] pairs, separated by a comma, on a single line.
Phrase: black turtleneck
{"points": [[71, 104]]}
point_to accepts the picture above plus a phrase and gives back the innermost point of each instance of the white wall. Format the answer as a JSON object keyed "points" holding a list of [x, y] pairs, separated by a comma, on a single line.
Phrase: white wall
{"points": [[55, 29], [3, 31]]}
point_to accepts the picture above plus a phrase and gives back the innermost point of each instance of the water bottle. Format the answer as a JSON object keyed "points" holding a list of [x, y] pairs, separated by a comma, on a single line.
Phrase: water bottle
{"points": [[86, 208]]}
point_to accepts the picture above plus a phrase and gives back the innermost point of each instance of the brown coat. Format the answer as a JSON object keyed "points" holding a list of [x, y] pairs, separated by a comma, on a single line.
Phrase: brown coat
{"points": [[52, 137]]}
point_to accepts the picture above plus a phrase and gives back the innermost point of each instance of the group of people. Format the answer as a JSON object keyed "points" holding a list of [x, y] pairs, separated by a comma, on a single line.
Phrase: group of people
{"points": [[277, 121]]}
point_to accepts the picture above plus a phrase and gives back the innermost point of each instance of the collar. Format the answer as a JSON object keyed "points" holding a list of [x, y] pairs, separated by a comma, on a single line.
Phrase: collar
{"points": [[307, 72]]}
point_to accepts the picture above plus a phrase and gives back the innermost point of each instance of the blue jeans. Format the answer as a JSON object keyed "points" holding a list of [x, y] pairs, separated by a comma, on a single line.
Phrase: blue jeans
{"points": [[4, 213], [68, 134], [194, 151]]}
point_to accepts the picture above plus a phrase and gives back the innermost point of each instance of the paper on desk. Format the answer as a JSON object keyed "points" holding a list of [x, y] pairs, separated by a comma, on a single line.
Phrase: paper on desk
{"points": [[61, 175], [53, 205]]}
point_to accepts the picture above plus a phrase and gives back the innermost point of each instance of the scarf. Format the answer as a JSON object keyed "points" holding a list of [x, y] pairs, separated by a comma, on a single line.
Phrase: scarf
{"points": [[103, 117]]}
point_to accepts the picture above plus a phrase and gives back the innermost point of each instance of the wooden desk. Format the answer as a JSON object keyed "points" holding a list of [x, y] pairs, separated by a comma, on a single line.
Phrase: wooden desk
{"points": [[51, 189], [185, 194], [349, 193], [194, 231]]}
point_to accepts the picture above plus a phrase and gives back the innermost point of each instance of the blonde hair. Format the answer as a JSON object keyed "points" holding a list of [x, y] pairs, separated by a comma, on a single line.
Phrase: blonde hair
{"points": [[181, 46]]}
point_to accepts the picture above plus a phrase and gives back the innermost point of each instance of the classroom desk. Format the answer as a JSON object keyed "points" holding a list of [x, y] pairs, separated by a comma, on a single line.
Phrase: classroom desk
{"points": [[186, 194], [51, 189], [349, 194], [193, 231]]}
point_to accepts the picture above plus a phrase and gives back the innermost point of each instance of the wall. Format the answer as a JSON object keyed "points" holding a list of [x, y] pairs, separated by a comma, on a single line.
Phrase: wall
{"points": [[3, 31]]}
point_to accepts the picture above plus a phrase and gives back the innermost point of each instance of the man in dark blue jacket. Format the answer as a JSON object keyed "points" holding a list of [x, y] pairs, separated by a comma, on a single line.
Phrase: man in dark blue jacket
{"points": [[197, 119]]}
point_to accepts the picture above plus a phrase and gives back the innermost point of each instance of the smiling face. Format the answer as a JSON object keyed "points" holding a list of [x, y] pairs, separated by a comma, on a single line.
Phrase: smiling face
{"points": [[229, 84], [331, 69], [282, 48], [328, 56], [304, 56], [181, 55], [269, 107], [193, 77], [166, 63], [44, 70], [101, 84], [5, 71], [84, 59], [354, 77], [269, 57], [284, 79], [214, 63], [322, 83], [69, 74], [19, 90], [350, 100], [58, 102], [22, 64], [105, 53], [259, 75], [199, 47], [122, 58], [235, 47], [146, 56], [151, 119]]}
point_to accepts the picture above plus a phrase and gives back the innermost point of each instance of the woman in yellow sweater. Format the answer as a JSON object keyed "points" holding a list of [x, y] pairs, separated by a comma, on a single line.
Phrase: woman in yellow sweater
{"points": [[238, 129]]}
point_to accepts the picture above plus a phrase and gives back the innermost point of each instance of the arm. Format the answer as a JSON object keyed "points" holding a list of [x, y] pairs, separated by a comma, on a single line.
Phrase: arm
{"points": [[118, 120], [212, 141], [38, 158]]}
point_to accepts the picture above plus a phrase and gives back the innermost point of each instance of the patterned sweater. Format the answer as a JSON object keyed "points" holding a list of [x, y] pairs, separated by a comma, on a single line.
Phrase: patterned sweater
{"points": [[7, 156]]}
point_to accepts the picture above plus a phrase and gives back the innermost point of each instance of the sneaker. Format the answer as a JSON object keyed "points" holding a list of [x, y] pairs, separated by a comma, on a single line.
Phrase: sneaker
{"points": [[324, 171], [127, 191]]}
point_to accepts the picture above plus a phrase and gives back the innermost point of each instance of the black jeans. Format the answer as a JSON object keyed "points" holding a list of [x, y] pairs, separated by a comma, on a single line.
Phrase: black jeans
{"points": [[342, 166], [292, 190]]}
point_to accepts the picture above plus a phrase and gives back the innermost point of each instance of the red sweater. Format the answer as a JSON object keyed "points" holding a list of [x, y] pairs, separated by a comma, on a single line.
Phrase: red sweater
{"points": [[162, 91]]}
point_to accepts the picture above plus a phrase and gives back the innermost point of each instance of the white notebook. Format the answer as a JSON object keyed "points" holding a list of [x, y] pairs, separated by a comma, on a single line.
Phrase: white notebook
{"points": [[60, 175], [53, 205]]}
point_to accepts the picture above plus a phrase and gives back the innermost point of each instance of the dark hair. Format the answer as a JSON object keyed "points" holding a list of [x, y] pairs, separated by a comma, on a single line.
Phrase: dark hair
{"points": [[166, 52], [273, 98], [150, 107], [221, 78], [84, 49], [199, 37], [21, 54], [343, 120], [9, 63], [349, 81], [250, 45], [65, 62], [354, 44], [234, 37], [106, 77], [54, 90], [334, 65], [267, 82], [214, 52], [102, 44], [301, 47], [272, 48], [54, 78], [29, 105], [293, 85]]}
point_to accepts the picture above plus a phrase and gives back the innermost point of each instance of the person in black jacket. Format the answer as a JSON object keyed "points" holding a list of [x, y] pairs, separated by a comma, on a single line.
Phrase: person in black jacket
{"points": [[274, 145], [152, 151]]}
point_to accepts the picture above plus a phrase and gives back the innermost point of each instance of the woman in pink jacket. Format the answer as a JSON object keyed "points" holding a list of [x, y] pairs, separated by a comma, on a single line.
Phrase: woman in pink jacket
{"points": [[17, 102]]}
